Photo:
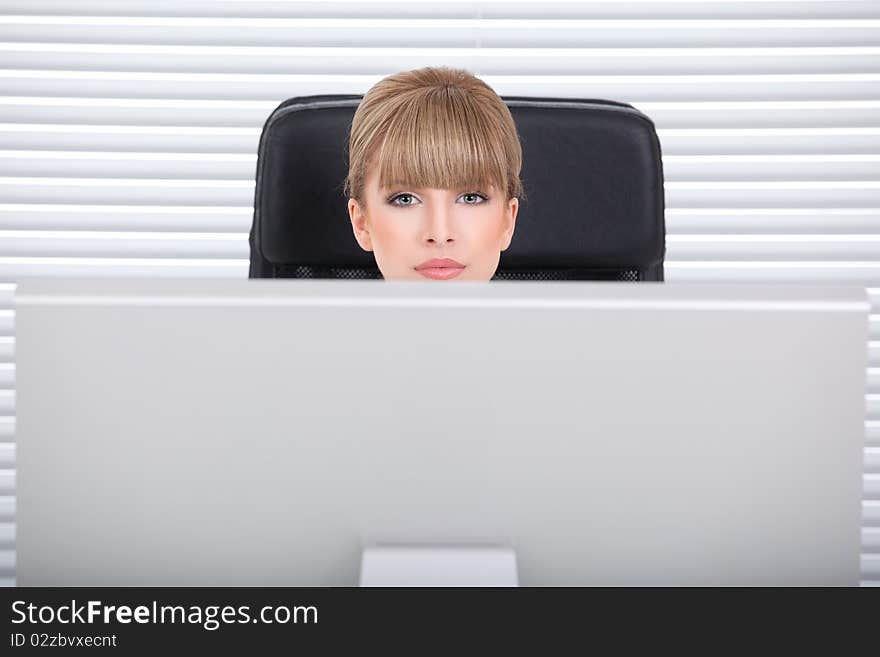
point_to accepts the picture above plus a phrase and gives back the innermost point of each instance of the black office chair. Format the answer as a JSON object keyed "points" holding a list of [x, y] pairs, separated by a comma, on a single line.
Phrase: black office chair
{"points": [[592, 173]]}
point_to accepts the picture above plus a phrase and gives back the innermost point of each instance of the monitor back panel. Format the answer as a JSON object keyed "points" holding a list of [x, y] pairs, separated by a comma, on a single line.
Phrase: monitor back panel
{"points": [[262, 432]]}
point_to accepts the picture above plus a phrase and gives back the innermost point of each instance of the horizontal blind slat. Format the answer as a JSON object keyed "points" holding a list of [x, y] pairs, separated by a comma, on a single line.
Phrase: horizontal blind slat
{"points": [[871, 486], [7, 375], [870, 565], [793, 221], [7, 455], [760, 113], [7, 562], [7, 397], [467, 29], [7, 508], [247, 13], [193, 139], [872, 433], [781, 194], [629, 9], [7, 535], [782, 248], [762, 141], [21, 268], [642, 88], [848, 273], [635, 89], [7, 481], [146, 191], [871, 539], [7, 355], [7, 326], [872, 407], [149, 111], [113, 245], [40, 217], [580, 58], [872, 460], [128, 102], [96, 164], [842, 167]]}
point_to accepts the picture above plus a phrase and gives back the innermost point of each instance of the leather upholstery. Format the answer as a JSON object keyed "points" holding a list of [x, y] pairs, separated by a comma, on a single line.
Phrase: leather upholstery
{"points": [[592, 173]]}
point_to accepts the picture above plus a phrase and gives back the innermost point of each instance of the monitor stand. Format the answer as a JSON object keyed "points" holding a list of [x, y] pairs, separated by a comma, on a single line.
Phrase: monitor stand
{"points": [[438, 565]]}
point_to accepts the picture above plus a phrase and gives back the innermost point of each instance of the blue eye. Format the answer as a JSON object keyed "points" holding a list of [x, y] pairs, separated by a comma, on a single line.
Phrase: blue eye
{"points": [[399, 196], [393, 200], [477, 195]]}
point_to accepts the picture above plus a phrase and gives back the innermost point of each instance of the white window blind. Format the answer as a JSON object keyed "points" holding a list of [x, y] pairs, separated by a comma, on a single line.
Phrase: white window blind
{"points": [[129, 129]]}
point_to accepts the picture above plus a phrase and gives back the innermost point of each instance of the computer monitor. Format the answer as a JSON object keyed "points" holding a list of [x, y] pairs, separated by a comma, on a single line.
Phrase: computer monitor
{"points": [[273, 432]]}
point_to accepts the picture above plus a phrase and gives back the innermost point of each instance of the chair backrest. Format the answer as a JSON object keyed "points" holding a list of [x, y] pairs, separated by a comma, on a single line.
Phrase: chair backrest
{"points": [[592, 174]]}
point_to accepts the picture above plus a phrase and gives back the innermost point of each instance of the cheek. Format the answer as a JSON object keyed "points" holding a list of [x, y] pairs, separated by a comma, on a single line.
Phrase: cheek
{"points": [[391, 231], [393, 244], [487, 233]]}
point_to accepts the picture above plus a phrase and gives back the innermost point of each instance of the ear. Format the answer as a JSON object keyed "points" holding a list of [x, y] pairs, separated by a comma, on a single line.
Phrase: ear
{"points": [[359, 225], [510, 222]]}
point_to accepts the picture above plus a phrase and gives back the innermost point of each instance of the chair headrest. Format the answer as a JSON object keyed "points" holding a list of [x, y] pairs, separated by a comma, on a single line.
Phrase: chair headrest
{"points": [[592, 174]]}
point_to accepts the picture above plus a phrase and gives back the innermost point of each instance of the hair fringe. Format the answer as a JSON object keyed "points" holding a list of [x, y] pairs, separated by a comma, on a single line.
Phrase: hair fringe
{"points": [[434, 127]]}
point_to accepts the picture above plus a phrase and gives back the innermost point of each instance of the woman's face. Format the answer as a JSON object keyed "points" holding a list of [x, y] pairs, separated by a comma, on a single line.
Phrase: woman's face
{"points": [[407, 228]]}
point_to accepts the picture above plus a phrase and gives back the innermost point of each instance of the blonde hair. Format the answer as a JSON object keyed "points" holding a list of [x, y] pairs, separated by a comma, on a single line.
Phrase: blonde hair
{"points": [[434, 127]]}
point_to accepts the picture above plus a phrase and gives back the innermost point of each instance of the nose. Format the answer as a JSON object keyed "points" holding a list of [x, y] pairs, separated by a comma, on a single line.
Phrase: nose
{"points": [[439, 229]]}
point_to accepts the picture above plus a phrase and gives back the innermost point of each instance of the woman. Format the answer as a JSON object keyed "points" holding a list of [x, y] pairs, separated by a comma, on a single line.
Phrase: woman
{"points": [[433, 182]]}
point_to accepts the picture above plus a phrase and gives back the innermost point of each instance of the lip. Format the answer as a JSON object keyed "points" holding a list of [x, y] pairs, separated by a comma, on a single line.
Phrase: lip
{"points": [[440, 268]]}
